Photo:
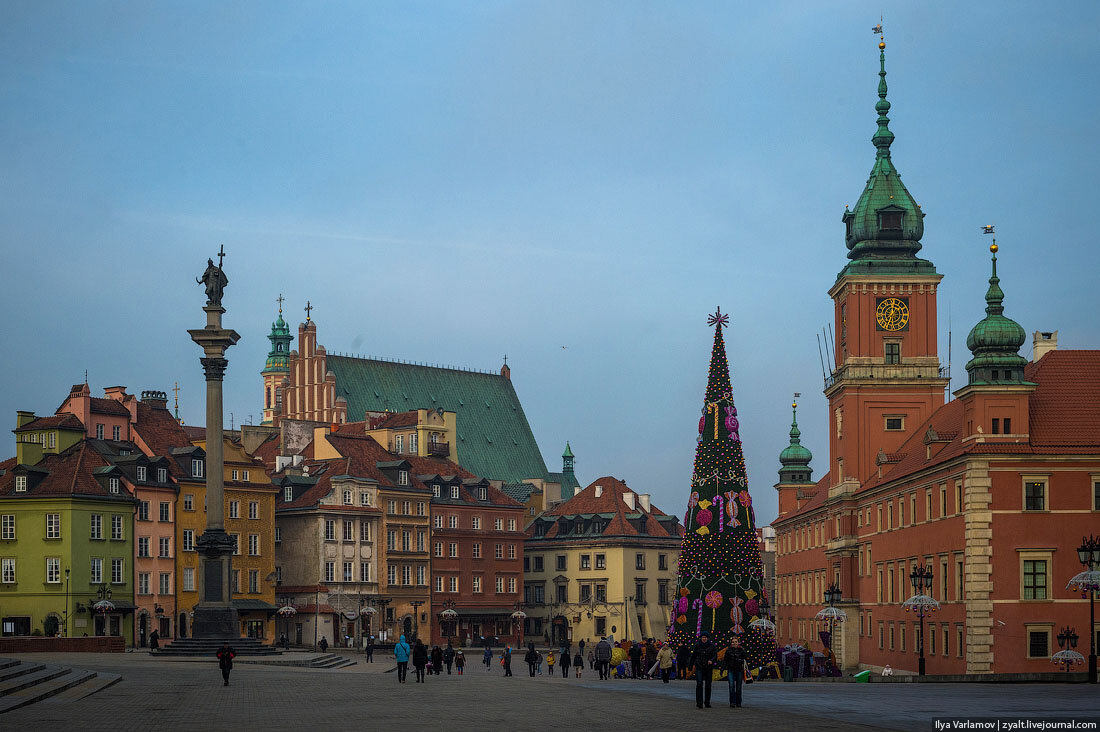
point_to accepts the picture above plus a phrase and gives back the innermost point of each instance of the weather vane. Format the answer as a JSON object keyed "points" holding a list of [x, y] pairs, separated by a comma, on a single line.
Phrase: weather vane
{"points": [[878, 29], [719, 318]]}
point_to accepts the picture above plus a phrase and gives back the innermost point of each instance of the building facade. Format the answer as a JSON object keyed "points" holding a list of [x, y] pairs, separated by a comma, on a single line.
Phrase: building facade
{"points": [[991, 491], [601, 563]]}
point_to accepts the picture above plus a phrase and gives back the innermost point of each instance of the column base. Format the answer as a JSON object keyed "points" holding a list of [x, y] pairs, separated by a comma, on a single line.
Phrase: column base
{"points": [[215, 621]]}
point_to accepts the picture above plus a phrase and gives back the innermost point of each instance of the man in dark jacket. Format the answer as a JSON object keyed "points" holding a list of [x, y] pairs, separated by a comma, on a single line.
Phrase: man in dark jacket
{"points": [[650, 655], [683, 661], [225, 656], [734, 663], [703, 658], [449, 657], [603, 658], [370, 649], [636, 661], [532, 659]]}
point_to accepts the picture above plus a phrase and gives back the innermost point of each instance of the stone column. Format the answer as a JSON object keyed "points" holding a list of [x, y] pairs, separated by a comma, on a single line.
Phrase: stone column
{"points": [[215, 616]]}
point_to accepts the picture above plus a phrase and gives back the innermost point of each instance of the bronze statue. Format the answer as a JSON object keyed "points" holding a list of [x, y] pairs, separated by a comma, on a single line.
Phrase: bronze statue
{"points": [[215, 281]]}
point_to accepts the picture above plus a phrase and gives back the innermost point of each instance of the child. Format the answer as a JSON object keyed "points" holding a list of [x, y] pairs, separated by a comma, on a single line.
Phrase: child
{"points": [[578, 663], [538, 663], [460, 661], [550, 663]]}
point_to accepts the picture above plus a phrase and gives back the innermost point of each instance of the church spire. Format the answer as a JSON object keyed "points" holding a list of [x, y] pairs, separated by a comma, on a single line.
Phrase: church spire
{"points": [[883, 137], [995, 341], [795, 459]]}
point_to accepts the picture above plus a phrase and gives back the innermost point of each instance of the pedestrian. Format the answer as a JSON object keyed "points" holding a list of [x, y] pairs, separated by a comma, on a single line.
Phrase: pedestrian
{"points": [[591, 660], [550, 659], [324, 644], [284, 642], [506, 660], [650, 658], [578, 663], [581, 646], [538, 663], [437, 660], [420, 660], [735, 669], [460, 661], [703, 658], [564, 661], [487, 657], [225, 656], [449, 657], [154, 640], [532, 659], [603, 658], [370, 649], [635, 660], [664, 662], [683, 661], [401, 653]]}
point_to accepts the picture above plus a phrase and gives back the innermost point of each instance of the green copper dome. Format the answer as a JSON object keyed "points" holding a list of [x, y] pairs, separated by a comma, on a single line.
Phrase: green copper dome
{"points": [[278, 358], [884, 230], [795, 459], [995, 341]]}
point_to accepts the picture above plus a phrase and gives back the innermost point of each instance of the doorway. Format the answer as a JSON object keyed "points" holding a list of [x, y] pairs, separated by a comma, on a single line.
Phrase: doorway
{"points": [[183, 625], [407, 628], [143, 622]]}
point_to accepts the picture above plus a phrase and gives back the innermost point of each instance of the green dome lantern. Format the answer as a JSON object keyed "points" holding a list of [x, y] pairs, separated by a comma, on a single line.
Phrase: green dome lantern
{"points": [[795, 458], [995, 341]]}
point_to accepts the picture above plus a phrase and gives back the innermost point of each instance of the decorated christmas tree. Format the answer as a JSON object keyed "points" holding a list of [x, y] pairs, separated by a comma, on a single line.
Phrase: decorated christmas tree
{"points": [[721, 582]]}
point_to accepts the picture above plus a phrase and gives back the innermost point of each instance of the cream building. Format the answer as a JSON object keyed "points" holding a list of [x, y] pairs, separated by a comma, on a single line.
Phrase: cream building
{"points": [[601, 563]]}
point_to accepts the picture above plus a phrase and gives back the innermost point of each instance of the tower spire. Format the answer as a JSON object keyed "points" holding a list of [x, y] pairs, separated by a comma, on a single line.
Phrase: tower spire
{"points": [[995, 341], [883, 137]]}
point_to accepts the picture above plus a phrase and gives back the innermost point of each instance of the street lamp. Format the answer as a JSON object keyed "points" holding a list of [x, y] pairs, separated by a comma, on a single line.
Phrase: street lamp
{"points": [[67, 634], [416, 616], [923, 604], [518, 618], [1067, 641], [1088, 582], [763, 622], [831, 613], [448, 615]]}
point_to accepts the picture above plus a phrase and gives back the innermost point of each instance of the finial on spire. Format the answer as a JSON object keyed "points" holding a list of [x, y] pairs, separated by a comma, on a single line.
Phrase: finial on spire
{"points": [[279, 300], [176, 391], [994, 296], [719, 318], [308, 308], [883, 137]]}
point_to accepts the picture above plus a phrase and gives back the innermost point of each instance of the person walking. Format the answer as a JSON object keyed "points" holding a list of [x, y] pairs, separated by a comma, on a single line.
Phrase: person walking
{"points": [[284, 642], [401, 653], [550, 663], [603, 658], [563, 660], [420, 660], [449, 657], [683, 661], [650, 658], [506, 660], [635, 661], [437, 660], [664, 662], [578, 663], [591, 660], [532, 659], [324, 644], [225, 657], [734, 663], [154, 640], [487, 657], [460, 661], [538, 663], [703, 658], [370, 649]]}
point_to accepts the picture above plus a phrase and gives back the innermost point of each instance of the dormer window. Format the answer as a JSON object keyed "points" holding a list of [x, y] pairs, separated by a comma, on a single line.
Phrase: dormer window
{"points": [[162, 475], [141, 472], [112, 485], [20, 484], [890, 220], [482, 493], [848, 226], [435, 490], [402, 477], [454, 491], [196, 468], [288, 494]]}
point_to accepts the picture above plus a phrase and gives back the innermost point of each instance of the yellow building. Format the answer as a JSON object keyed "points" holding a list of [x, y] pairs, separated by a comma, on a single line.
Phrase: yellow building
{"points": [[601, 563], [249, 517]]}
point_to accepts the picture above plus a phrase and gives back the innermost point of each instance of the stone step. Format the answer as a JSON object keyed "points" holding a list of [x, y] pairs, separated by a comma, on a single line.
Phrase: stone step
{"points": [[32, 678], [18, 669], [45, 689], [8, 663], [332, 663], [101, 681]]}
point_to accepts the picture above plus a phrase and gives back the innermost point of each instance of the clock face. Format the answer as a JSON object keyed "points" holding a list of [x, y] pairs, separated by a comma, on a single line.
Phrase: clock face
{"points": [[892, 313]]}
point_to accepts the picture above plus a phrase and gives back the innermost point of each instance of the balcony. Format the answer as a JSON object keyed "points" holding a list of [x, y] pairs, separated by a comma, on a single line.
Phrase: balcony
{"points": [[881, 371], [439, 449]]}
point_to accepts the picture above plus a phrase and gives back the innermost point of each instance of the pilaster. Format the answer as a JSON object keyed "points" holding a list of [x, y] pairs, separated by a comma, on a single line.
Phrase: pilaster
{"points": [[978, 567]]}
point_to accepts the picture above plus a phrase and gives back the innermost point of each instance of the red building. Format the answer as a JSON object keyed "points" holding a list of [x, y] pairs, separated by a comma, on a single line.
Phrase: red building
{"points": [[477, 559], [992, 491]]}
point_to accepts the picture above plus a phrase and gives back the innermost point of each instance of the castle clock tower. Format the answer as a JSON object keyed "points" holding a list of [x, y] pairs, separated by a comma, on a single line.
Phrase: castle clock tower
{"points": [[887, 377]]}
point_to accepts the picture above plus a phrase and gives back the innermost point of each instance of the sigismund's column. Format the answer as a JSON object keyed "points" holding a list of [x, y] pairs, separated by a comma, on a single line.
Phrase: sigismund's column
{"points": [[215, 616]]}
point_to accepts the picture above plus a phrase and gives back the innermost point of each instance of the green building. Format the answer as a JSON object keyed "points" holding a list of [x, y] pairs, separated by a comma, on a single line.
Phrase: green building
{"points": [[66, 535]]}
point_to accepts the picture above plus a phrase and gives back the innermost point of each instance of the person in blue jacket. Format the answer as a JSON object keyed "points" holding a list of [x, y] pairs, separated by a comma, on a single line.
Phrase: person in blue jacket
{"points": [[401, 653]]}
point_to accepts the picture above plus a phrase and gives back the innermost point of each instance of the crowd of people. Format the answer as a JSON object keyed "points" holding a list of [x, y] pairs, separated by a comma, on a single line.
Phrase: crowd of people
{"points": [[646, 659]]}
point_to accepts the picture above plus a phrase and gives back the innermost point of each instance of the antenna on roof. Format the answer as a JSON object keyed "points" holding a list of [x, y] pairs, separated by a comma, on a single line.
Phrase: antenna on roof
{"points": [[947, 397], [821, 358]]}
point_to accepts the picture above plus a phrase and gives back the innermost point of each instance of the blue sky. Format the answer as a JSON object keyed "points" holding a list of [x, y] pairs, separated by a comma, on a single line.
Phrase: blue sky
{"points": [[449, 182]]}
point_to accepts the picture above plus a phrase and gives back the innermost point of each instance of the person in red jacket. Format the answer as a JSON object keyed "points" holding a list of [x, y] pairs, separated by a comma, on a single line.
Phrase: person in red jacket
{"points": [[225, 656]]}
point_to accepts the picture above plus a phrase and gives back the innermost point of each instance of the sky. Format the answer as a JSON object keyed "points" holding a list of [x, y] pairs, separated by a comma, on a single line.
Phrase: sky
{"points": [[573, 184]]}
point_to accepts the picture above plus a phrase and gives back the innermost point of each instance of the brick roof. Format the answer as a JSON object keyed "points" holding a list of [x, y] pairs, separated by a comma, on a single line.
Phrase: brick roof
{"points": [[194, 432], [609, 502], [159, 430], [69, 473], [63, 421], [100, 405], [494, 437]]}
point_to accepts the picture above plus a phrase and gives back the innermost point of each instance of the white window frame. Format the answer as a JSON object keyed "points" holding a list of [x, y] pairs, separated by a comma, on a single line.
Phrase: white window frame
{"points": [[53, 526], [7, 526], [142, 473], [188, 579], [188, 540], [7, 570], [20, 484], [118, 567], [196, 467], [95, 570]]}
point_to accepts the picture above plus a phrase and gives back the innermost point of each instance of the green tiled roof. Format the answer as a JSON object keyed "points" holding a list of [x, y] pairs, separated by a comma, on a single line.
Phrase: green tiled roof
{"points": [[494, 438]]}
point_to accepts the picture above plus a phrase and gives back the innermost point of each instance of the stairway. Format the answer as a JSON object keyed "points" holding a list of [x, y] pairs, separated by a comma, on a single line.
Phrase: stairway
{"points": [[330, 661], [23, 683], [209, 646]]}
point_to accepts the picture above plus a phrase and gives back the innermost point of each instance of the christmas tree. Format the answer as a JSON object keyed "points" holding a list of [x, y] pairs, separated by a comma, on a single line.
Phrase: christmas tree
{"points": [[720, 581]]}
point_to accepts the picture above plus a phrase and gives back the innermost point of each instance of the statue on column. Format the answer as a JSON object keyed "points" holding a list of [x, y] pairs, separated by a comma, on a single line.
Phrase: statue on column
{"points": [[214, 280]]}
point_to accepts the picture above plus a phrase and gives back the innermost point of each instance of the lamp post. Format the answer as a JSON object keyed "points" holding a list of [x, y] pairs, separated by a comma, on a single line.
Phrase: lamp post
{"points": [[67, 634], [922, 603], [416, 616], [447, 616], [1067, 641], [518, 619], [1089, 582]]}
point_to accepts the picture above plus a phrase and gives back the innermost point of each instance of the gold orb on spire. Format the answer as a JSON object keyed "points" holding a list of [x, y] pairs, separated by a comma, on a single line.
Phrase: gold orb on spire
{"points": [[794, 405], [882, 45], [993, 248]]}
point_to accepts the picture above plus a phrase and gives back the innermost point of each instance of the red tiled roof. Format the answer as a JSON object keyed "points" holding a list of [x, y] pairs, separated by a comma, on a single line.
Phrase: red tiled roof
{"points": [[1065, 407], [820, 493], [610, 501], [194, 432], [68, 473], [398, 419], [55, 421], [267, 451], [159, 430], [99, 405]]}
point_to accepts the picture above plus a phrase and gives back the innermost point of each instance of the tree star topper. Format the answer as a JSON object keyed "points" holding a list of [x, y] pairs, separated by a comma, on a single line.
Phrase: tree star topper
{"points": [[719, 318]]}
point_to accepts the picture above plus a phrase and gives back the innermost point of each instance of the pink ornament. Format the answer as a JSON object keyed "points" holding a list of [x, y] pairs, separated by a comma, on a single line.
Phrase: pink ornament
{"points": [[721, 513], [714, 599], [752, 607], [736, 615], [732, 424], [702, 423], [703, 517], [745, 498], [698, 605], [682, 605]]}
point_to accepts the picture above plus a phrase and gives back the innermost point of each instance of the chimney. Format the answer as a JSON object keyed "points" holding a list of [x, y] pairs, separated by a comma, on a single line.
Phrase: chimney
{"points": [[118, 393], [643, 499], [22, 418], [155, 399], [599, 491], [1042, 343], [577, 489], [628, 499]]}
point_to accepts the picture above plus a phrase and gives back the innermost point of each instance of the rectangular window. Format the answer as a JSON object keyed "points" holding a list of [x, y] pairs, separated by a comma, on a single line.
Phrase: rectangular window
{"points": [[943, 500], [1038, 642], [164, 511], [475, 522], [454, 491], [116, 434], [364, 571], [1096, 495], [141, 473], [53, 526], [421, 509], [113, 485], [99, 431], [330, 530], [348, 571], [143, 583], [391, 540], [349, 530], [421, 575], [236, 544], [116, 571], [452, 550], [932, 640], [563, 593], [116, 527], [498, 524], [601, 562], [96, 531], [438, 549], [437, 583], [498, 551], [406, 574], [452, 522], [476, 550], [601, 593], [511, 524], [253, 545], [402, 477], [391, 574], [189, 502], [234, 509], [436, 493], [511, 585], [96, 574], [1035, 579], [892, 352], [364, 499], [958, 498], [244, 476], [477, 584], [53, 439], [253, 510], [412, 442], [20, 483], [143, 546], [234, 475], [165, 547], [189, 540], [959, 641], [143, 511], [330, 571], [500, 585], [511, 551], [420, 539], [364, 531], [406, 507], [165, 583], [399, 443], [639, 561], [1035, 492], [662, 562], [437, 521], [288, 494], [7, 571], [538, 563], [196, 468], [278, 534], [586, 561], [406, 541], [901, 636]]}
